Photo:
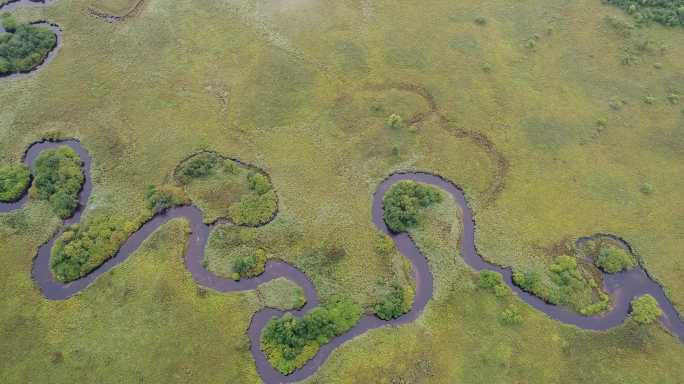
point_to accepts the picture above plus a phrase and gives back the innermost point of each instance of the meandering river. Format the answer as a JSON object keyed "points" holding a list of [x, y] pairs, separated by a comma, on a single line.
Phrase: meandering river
{"points": [[623, 287]]}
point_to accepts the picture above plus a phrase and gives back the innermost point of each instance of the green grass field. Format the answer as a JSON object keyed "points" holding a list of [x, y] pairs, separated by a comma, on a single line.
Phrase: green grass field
{"points": [[583, 107]]}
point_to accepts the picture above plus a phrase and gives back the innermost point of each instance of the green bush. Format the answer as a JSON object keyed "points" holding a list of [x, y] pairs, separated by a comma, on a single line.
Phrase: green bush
{"points": [[613, 259], [396, 302], [9, 23], [562, 284], [200, 165], [14, 180], [23, 46], [403, 202], [289, 342], [254, 209], [395, 121], [249, 263], [58, 179], [511, 316], [164, 197], [645, 309], [84, 247], [258, 183], [492, 281], [384, 245]]}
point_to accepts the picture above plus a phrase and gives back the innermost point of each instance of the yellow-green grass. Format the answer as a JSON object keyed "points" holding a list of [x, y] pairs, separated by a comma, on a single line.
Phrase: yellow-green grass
{"points": [[281, 293], [462, 336], [115, 7], [266, 82]]}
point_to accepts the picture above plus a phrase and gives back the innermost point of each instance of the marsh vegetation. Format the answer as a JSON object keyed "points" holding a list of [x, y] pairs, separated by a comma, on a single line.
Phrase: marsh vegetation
{"points": [[23, 46]]}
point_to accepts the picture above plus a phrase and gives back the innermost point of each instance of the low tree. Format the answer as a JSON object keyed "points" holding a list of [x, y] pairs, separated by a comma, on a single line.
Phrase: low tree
{"points": [[645, 310]]}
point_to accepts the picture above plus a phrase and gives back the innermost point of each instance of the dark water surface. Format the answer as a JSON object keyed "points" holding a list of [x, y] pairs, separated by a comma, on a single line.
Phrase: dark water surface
{"points": [[622, 286]]}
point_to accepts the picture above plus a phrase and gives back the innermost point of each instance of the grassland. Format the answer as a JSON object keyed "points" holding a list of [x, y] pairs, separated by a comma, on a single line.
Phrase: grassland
{"points": [[118, 8], [581, 105]]}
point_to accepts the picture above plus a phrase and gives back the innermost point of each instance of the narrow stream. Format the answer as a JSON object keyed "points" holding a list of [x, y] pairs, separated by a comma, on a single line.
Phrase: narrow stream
{"points": [[622, 286]]}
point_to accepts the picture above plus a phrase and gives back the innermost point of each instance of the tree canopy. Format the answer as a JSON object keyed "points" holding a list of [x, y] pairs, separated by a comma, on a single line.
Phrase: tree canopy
{"points": [[23, 46]]}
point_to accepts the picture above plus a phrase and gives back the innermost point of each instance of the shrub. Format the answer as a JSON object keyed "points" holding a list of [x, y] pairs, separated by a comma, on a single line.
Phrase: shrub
{"points": [[403, 201], [254, 209], [289, 342], [645, 310], [58, 179], [395, 121], [258, 183], [489, 279], [250, 263], [511, 316], [164, 197], [14, 180], [492, 281], [396, 302], [613, 259], [384, 245], [200, 165], [84, 247], [647, 188], [9, 23], [561, 285], [24, 46]]}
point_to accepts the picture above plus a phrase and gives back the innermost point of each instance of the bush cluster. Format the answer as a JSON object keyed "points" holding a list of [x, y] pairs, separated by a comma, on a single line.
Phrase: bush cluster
{"points": [[14, 180], [561, 286], [164, 197], [290, 342], [403, 202], [200, 165], [645, 309], [249, 263], [492, 281], [238, 192], [84, 247], [23, 46], [396, 302], [258, 206], [613, 259], [511, 316], [666, 12], [58, 179]]}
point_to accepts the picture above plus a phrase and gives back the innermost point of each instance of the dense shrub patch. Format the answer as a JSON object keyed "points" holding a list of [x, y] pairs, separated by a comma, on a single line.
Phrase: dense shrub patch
{"points": [[58, 179], [289, 342], [249, 262], [645, 309], [164, 197], [222, 188], [14, 180], [83, 247], [492, 281], [613, 259], [562, 285], [200, 165], [666, 12], [511, 316], [23, 46], [403, 202], [396, 302]]}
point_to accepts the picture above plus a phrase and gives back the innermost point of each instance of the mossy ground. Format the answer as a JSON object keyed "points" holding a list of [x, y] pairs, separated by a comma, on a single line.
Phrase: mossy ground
{"points": [[276, 84]]}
